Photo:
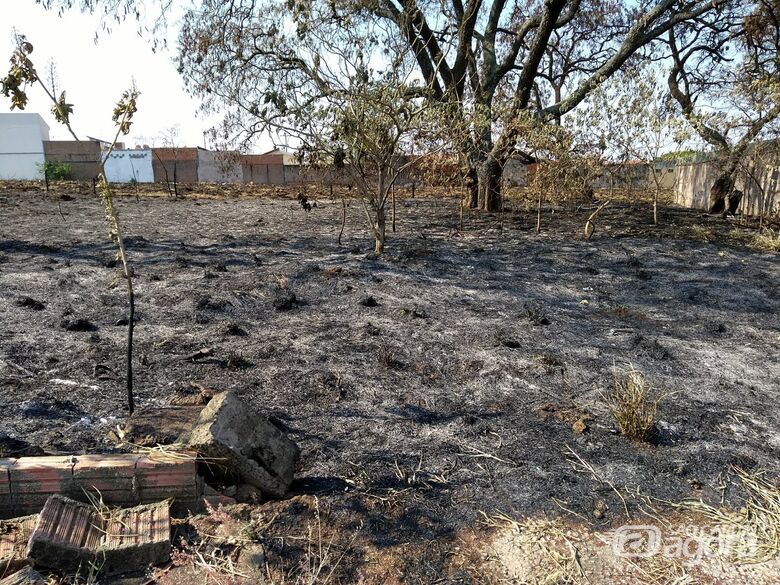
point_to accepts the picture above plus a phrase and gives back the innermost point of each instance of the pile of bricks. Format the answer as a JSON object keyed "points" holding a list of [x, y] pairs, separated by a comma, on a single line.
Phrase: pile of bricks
{"points": [[121, 480]]}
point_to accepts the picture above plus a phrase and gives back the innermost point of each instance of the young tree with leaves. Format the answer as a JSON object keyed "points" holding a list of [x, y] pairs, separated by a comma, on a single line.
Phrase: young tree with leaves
{"points": [[22, 72]]}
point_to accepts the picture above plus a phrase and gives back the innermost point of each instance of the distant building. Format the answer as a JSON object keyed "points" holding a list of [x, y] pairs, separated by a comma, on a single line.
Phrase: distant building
{"points": [[21, 146], [130, 165]]}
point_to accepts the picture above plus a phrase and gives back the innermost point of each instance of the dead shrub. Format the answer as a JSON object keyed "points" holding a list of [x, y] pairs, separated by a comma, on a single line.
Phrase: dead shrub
{"points": [[634, 404], [385, 357]]}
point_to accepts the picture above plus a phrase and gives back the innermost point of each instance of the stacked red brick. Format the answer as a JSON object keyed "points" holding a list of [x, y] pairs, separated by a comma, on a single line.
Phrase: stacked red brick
{"points": [[122, 480]]}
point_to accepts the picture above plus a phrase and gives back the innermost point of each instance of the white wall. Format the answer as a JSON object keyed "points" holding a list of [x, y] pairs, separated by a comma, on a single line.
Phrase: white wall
{"points": [[21, 145], [127, 164]]}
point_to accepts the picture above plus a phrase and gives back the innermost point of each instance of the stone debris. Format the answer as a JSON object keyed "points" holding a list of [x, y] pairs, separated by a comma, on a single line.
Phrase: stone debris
{"points": [[25, 576], [72, 536], [148, 427], [239, 443]]}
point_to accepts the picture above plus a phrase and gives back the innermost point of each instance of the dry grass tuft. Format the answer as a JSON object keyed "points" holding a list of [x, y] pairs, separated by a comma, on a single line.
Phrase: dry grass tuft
{"points": [[634, 404], [767, 240], [754, 529], [701, 232]]}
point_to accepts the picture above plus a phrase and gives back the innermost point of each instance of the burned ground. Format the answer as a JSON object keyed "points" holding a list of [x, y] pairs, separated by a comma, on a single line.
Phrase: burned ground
{"points": [[423, 388]]}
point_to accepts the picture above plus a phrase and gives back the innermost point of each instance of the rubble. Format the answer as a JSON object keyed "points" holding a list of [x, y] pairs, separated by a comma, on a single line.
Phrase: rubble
{"points": [[160, 426], [25, 576], [14, 535], [72, 536], [244, 444]]}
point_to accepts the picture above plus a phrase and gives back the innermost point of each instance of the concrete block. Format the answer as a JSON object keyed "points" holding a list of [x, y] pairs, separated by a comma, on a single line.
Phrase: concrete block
{"points": [[135, 539], [25, 576], [160, 426], [125, 480], [71, 536], [34, 479], [6, 503], [66, 535], [238, 442]]}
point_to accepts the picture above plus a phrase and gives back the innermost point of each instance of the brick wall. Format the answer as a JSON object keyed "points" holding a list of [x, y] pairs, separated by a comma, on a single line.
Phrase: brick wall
{"points": [[83, 157]]}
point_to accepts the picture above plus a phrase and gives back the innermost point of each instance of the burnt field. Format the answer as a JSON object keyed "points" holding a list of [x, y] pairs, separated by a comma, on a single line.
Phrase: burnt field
{"points": [[461, 373]]}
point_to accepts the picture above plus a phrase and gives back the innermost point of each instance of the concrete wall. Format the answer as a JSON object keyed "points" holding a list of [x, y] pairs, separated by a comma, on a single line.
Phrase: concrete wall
{"points": [[219, 167], [761, 191], [21, 146], [516, 173], [269, 169], [183, 160], [83, 157], [126, 165]]}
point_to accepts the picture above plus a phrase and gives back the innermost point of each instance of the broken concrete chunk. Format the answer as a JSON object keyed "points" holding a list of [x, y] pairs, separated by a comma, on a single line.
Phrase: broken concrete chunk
{"points": [[240, 443], [26, 576], [71, 536], [160, 426], [136, 538]]}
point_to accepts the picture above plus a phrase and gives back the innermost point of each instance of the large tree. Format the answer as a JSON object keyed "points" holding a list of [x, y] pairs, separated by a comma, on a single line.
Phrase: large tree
{"points": [[496, 62]]}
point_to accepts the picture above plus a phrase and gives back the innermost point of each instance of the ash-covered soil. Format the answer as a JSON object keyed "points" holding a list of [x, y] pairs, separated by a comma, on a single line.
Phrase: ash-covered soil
{"points": [[441, 380]]}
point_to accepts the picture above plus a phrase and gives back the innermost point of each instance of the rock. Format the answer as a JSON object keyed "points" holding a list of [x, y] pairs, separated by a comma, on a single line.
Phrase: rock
{"points": [[199, 355], [580, 425], [248, 494], [160, 426], [213, 499], [26, 576], [73, 324], [70, 535], [252, 563], [234, 329], [284, 300], [246, 445]]}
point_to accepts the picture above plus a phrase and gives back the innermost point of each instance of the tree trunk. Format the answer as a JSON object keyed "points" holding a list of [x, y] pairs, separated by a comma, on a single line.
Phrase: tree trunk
{"points": [[472, 185], [379, 232], [719, 191], [489, 192]]}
